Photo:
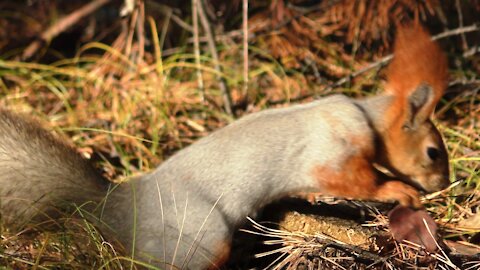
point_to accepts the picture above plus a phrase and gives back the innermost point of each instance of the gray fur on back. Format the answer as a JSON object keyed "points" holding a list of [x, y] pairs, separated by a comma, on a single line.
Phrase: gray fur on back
{"points": [[247, 164]]}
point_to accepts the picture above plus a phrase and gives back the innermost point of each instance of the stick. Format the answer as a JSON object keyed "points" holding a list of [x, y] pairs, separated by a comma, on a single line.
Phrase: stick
{"points": [[169, 12], [458, 6], [383, 61], [227, 99], [141, 31], [62, 25], [457, 31], [196, 48], [245, 49], [386, 59], [359, 253]]}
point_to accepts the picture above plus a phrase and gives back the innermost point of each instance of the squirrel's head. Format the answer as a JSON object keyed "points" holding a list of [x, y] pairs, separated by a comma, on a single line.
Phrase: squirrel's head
{"points": [[414, 149], [416, 80]]}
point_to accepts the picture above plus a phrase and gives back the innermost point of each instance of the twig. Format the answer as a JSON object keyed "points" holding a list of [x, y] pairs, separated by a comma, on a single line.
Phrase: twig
{"points": [[245, 49], [380, 63], [457, 31], [472, 51], [169, 12], [131, 31], [341, 81], [458, 6], [227, 99], [181, 23], [127, 8], [384, 60], [196, 48], [358, 253], [62, 25], [141, 31], [165, 26]]}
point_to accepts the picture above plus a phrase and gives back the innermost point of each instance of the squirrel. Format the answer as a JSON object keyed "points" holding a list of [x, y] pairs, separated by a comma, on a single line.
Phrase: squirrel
{"points": [[183, 214]]}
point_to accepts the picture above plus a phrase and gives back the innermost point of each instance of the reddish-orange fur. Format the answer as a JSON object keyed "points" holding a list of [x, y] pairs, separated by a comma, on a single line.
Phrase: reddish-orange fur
{"points": [[417, 59], [355, 178], [223, 254], [358, 179]]}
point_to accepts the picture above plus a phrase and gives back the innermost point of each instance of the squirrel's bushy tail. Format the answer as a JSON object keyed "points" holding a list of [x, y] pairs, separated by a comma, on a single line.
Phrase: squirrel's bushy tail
{"points": [[38, 171], [417, 59]]}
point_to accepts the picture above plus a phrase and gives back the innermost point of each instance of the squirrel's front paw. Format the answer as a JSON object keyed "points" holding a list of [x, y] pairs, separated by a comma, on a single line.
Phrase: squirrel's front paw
{"points": [[401, 192]]}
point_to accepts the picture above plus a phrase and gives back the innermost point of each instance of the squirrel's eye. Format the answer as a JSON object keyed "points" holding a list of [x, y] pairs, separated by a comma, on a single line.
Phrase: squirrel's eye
{"points": [[433, 153]]}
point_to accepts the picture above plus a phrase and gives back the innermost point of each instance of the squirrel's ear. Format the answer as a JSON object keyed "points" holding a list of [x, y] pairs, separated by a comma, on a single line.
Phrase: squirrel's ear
{"points": [[417, 76], [421, 103]]}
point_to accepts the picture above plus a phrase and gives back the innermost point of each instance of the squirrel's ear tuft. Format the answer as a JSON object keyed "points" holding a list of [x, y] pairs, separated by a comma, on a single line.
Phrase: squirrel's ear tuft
{"points": [[420, 105], [416, 60]]}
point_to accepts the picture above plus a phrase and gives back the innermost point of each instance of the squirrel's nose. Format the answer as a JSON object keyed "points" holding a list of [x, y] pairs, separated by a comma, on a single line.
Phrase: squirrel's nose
{"points": [[445, 182]]}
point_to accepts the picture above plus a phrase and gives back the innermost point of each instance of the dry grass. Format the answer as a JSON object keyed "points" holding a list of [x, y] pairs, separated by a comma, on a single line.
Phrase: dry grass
{"points": [[129, 108]]}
